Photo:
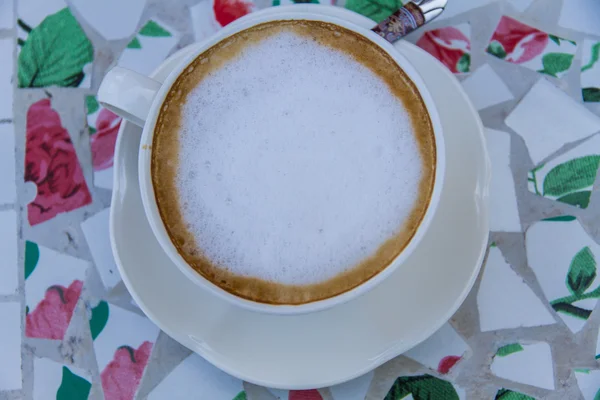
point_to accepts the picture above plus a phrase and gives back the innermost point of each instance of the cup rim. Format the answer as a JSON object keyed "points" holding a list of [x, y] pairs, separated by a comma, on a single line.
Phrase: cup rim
{"points": [[151, 207]]}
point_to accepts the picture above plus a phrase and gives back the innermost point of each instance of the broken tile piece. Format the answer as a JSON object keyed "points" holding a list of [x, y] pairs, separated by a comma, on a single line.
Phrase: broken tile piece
{"points": [[53, 284], [10, 351], [104, 127], [9, 280], [196, 375], [111, 25], [149, 47], [569, 177], [67, 55], [8, 188], [356, 389], [441, 351], [505, 301], [454, 8], [511, 395], [547, 118], [7, 47], [97, 236], [521, 44], [203, 20], [563, 258], [424, 387], [51, 163], [590, 71], [520, 5], [53, 378], [123, 342], [589, 383], [530, 364], [450, 45], [7, 14], [581, 16], [485, 88], [504, 213]]}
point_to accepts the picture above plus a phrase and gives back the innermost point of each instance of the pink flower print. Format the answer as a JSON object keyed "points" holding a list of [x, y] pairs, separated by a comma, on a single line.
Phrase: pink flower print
{"points": [[516, 42], [311, 394], [122, 376], [227, 11], [103, 141], [450, 46]]}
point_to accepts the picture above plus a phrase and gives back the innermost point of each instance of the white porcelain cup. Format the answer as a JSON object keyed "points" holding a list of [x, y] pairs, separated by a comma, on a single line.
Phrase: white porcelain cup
{"points": [[139, 98]]}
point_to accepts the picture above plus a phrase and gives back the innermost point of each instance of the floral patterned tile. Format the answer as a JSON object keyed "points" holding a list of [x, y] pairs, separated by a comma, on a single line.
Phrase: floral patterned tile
{"points": [[9, 281], [111, 25], [581, 16], [53, 283], [547, 118], [195, 375], [53, 49], [7, 47], [59, 381], [208, 16], [10, 351], [103, 126], [518, 43], [441, 351], [504, 214], [311, 394], [589, 383], [8, 189], [95, 230], [530, 364], [506, 394], [7, 14], [485, 88], [424, 387], [569, 177], [149, 47], [51, 163], [356, 389], [590, 71], [377, 10], [450, 45], [123, 342], [563, 257], [505, 301]]}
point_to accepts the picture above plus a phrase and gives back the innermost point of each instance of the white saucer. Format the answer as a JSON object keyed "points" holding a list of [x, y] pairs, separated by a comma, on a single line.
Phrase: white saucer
{"points": [[335, 345]]}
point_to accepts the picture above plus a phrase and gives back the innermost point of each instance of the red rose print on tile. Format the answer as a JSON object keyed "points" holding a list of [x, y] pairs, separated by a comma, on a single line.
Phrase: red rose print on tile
{"points": [[51, 316], [450, 46], [227, 11], [103, 141], [516, 42], [122, 376], [51, 163], [447, 363], [312, 394]]}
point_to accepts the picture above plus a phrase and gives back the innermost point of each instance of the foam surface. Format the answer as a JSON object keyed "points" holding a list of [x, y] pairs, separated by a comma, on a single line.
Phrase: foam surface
{"points": [[296, 162]]}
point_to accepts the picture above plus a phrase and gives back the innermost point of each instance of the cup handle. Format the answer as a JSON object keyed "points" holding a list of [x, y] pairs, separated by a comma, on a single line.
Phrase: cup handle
{"points": [[408, 18], [128, 94]]}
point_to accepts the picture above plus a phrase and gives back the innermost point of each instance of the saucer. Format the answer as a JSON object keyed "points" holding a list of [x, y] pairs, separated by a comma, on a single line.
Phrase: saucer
{"points": [[332, 346]]}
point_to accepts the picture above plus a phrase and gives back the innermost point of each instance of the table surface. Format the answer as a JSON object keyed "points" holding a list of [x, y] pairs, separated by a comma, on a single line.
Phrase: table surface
{"points": [[528, 329]]}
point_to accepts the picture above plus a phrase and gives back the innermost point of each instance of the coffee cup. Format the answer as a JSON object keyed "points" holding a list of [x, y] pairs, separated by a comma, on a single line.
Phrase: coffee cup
{"points": [[238, 206]]}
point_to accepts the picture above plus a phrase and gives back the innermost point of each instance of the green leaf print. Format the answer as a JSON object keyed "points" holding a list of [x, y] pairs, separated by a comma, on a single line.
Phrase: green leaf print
{"points": [[505, 394], [32, 256], [153, 29], [555, 39], [423, 387], [134, 44], [591, 94], [570, 309], [377, 10], [509, 349], [240, 396], [464, 63], [597, 396], [91, 104], [99, 318], [571, 176], [73, 387], [496, 49], [594, 59], [578, 199], [55, 53], [582, 271], [554, 63], [561, 218]]}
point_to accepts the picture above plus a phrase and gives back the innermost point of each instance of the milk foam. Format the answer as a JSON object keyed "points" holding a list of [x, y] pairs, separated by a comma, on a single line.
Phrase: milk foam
{"points": [[296, 162]]}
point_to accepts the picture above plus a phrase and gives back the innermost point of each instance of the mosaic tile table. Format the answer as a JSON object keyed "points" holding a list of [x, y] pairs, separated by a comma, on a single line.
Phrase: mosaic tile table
{"points": [[529, 328]]}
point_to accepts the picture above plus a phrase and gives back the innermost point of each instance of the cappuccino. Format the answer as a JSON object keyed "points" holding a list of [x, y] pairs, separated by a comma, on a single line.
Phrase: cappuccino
{"points": [[292, 162]]}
